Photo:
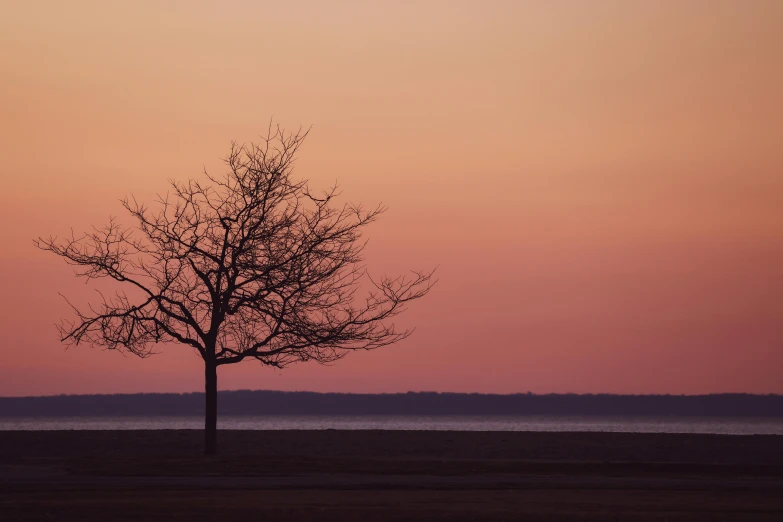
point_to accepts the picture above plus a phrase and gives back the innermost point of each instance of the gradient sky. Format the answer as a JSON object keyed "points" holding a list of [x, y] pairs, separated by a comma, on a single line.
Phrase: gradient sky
{"points": [[600, 182]]}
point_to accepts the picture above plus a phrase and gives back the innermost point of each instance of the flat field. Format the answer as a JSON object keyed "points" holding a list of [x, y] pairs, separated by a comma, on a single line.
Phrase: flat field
{"points": [[389, 475]]}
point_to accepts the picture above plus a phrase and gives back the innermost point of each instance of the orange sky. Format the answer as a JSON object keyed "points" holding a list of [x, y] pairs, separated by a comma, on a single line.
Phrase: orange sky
{"points": [[600, 182]]}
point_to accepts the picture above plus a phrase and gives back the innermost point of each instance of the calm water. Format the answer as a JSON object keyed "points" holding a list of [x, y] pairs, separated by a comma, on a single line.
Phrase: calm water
{"points": [[723, 426]]}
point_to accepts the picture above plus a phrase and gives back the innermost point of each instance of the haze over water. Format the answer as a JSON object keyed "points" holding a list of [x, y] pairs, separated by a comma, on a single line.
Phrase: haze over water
{"points": [[719, 426]]}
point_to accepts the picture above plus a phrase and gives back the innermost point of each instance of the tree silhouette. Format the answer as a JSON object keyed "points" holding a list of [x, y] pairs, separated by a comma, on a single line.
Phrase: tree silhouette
{"points": [[250, 265]]}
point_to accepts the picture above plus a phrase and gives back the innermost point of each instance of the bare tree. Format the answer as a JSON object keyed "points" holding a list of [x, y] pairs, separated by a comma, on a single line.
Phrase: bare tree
{"points": [[249, 265]]}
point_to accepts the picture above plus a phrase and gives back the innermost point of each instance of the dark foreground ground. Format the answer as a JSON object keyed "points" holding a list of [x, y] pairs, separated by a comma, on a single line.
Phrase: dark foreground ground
{"points": [[387, 475]]}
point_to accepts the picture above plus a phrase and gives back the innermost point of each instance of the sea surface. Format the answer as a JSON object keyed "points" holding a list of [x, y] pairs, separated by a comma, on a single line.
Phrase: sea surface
{"points": [[713, 425]]}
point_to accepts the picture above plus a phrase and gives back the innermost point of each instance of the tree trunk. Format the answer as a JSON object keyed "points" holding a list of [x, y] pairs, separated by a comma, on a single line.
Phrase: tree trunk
{"points": [[210, 423]]}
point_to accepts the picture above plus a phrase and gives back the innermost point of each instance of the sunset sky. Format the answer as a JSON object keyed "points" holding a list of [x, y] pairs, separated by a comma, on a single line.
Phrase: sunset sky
{"points": [[600, 183]]}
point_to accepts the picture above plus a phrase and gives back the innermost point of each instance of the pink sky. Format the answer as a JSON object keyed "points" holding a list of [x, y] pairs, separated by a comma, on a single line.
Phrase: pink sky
{"points": [[601, 183]]}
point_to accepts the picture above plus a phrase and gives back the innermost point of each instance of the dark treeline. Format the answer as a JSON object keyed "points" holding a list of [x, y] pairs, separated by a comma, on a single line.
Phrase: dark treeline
{"points": [[424, 403]]}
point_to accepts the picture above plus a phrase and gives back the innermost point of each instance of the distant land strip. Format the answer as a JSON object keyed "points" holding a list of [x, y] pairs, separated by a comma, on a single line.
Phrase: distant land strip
{"points": [[246, 402]]}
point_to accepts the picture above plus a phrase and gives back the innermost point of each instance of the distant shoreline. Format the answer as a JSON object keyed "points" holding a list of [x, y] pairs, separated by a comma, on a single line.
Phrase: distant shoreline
{"points": [[245, 402]]}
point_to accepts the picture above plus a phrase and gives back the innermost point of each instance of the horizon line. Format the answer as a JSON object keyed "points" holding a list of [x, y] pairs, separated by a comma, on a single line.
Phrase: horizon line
{"points": [[409, 392]]}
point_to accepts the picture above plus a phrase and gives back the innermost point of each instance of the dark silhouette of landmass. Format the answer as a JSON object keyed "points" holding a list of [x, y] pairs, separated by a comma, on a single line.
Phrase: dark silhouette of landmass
{"points": [[245, 402]]}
